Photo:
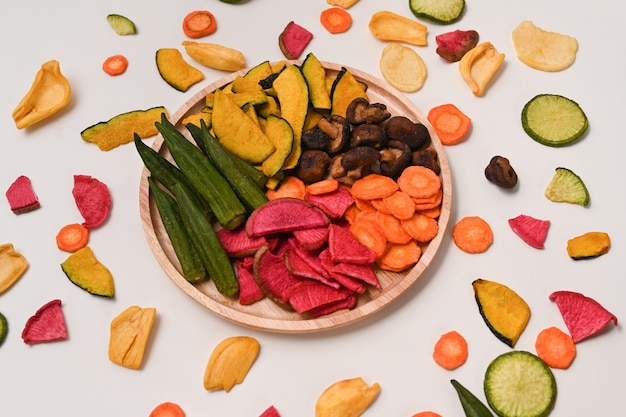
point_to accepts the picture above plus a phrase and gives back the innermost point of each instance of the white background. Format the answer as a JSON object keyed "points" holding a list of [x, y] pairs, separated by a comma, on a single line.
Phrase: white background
{"points": [[75, 377]]}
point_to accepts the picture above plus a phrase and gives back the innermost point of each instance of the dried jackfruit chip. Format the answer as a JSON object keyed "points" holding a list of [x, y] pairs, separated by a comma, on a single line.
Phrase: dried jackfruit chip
{"points": [[544, 50], [479, 65], [346, 398], [130, 331], [230, 362], [12, 266]]}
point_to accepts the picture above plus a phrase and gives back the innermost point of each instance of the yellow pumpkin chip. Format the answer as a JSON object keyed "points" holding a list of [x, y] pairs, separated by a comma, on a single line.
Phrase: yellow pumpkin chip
{"points": [[346, 398], [230, 362], [402, 67], [589, 245], [479, 65], [544, 50]]}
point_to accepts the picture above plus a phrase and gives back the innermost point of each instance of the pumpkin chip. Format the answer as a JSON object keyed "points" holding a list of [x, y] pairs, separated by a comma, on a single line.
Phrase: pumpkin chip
{"points": [[544, 50]]}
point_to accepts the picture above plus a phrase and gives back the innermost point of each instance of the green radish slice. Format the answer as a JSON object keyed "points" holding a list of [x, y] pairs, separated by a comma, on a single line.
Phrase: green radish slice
{"points": [[567, 187], [438, 11], [4, 328], [519, 384], [554, 120], [122, 25]]}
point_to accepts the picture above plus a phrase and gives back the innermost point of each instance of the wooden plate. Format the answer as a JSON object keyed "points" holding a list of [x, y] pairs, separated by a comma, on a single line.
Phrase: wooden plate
{"points": [[265, 314]]}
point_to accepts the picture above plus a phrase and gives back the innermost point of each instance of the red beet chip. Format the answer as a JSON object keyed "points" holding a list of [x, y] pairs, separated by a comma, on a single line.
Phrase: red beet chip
{"points": [[451, 46], [249, 290], [47, 325], [532, 231], [583, 316], [21, 196], [271, 411], [293, 40], [92, 199], [344, 247]]}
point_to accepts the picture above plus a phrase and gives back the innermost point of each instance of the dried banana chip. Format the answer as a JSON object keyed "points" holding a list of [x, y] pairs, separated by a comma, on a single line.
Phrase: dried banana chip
{"points": [[129, 336], [347, 398], [230, 362], [479, 65], [402, 67], [543, 50]]}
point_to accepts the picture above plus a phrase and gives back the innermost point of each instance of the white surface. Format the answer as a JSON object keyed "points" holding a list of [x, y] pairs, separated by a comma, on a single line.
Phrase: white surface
{"points": [[393, 348]]}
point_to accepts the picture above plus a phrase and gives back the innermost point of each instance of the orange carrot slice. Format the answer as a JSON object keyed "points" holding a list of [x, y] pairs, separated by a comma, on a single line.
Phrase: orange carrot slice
{"points": [[72, 237], [373, 186], [399, 257], [472, 234], [450, 351], [290, 187], [555, 347], [115, 65], [322, 187], [450, 123], [199, 23], [421, 227], [369, 234], [392, 228], [400, 205], [167, 409], [426, 414], [419, 182], [336, 20]]}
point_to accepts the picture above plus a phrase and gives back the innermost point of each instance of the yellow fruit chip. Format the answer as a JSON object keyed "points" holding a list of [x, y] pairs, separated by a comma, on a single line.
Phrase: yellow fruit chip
{"points": [[230, 362], [130, 331], [479, 65], [544, 50], [346, 398], [402, 67]]}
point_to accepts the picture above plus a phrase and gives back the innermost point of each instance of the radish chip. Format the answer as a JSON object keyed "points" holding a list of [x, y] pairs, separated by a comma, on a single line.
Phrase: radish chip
{"points": [[583, 316], [92, 199], [21, 196], [46, 325], [532, 231]]}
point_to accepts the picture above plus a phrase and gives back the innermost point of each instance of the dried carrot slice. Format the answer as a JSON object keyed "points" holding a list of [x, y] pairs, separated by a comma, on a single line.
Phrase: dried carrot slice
{"points": [[379, 204], [421, 227], [433, 212], [450, 123], [450, 351], [426, 203], [336, 20], [199, 23], [322, 187], [472, 234], [72, 237], [392, 228], [115, 65], [373, 186], [369, 234], [400, 205], [419, 181], [398, 257], [363, 205], [351, 213], [426, 414], [555, 347], [290, 187], [167, 409]]}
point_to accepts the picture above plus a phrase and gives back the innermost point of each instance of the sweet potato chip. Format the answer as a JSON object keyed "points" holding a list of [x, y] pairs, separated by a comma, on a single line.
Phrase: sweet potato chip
{"points": [[346, 398], [543, 50], [583, 316]]}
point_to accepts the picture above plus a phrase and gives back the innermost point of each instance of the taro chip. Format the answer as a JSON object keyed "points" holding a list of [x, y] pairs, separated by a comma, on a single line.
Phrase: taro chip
{"points": [[583, 316], [532, 231], [92, 199], [46, 325]]}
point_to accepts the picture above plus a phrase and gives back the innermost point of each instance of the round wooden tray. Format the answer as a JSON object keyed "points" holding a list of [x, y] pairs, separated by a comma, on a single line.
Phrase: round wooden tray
{"points": [[265, 314]]}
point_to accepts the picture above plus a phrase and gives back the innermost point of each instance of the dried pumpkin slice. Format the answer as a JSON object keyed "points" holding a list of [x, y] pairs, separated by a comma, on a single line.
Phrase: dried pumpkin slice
{"points": [[543, 50], [346, 398], [389, 26], [87, 272], [175, 70], [479, 65], [589, 245], [12, 266], [129, 335], [503, 310], [49, 93], [230, 362], [402, 67]]}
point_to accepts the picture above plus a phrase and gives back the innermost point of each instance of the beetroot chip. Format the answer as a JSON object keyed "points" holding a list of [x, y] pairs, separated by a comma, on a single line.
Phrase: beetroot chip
{"points": [[451, 46], [238, 244], [21, 196], [311, 294], [344, 247], [583, 316], [271, 411], [532, 231], [293, 40], [284, 215], [298, 266], [349, 302], [272, 275], [313, 238], [249, 290], [334, 204], [47, 325], [92, 199]]}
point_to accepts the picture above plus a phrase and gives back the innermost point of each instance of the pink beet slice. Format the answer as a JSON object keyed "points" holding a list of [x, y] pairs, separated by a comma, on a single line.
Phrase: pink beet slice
{"points": [[47, 325], [93, 200], [334, 204], [249, 290], [284, 215], [343, 247], [293, 40], [451, 46], [21, 196], [532, 231], [271, 411], [583, 316], [310, 294]]}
